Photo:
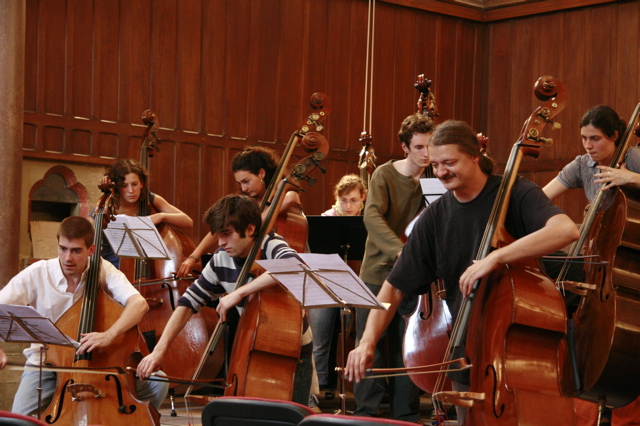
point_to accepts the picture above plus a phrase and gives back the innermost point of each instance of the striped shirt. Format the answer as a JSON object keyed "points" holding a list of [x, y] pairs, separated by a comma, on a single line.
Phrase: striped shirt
{"points": [[221, 273]]}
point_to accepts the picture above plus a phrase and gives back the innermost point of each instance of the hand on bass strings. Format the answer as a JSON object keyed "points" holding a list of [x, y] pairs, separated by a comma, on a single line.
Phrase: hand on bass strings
{"points": [[91, 341], [479, 269], [227, 302], [186, 267], [3, 359], [614, 177]]}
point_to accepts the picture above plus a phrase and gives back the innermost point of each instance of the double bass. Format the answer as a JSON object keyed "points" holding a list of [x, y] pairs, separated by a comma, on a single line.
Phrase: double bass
{"points": [[431, 320], [513, 325], [607, 324], [82, 398], [246, 374], [156, 281], [266, 349]]}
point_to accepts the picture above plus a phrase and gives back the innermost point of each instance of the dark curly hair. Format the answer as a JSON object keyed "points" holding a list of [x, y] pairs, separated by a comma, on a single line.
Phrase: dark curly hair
{"points": [[254, 158], [122, 168]]}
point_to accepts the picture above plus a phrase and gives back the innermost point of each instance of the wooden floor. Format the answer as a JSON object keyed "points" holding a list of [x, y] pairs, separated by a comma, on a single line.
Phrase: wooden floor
{"points": [[326, 405]]}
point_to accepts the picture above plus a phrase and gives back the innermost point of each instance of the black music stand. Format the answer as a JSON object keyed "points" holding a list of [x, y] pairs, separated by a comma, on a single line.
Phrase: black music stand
{"points": [[24, 324], [323, 281], [345, 235]]}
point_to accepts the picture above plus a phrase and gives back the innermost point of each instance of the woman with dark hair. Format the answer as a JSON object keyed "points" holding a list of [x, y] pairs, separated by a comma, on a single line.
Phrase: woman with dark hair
{"points": [[253, 168], [601, 129], [131, 190]]}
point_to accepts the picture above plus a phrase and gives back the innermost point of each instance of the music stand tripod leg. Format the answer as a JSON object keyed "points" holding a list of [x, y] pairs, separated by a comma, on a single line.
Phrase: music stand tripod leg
{"points": [[43, 348], [344, 311]]}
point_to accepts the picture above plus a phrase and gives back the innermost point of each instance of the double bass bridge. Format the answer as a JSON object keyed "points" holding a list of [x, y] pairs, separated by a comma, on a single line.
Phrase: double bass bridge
{"points": [[76, 389]]}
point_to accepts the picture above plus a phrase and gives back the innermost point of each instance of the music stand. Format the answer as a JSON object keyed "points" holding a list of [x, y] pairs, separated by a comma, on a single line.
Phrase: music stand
{"points": [[323, 281], [345, 235], [136, 237], [432, 189], [25, 325]]}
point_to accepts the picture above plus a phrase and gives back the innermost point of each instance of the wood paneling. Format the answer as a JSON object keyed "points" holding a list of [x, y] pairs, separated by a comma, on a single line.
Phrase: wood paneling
{"points": [[221, 74], [591, 50]]}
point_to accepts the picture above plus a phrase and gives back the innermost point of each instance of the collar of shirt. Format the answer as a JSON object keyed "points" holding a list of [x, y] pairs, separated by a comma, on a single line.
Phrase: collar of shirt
{"points": [[61, 280]]}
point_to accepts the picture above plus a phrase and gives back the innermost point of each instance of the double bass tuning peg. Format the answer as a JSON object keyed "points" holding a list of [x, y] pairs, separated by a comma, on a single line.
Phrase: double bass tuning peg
{"points": [[544, 114]]}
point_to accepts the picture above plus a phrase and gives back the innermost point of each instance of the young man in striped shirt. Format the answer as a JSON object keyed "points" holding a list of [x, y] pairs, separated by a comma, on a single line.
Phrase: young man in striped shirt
{"points": [[236, 220]]}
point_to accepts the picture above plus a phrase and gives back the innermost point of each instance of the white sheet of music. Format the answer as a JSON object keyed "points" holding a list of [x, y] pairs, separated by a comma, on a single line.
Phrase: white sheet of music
{"points": [[339, 285], [125, 229], [38, 328], [432, 189]]}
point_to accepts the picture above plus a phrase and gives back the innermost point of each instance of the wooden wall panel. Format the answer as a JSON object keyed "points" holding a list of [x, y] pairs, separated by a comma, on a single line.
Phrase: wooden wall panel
{"points": [[221, 74], [163, 59], [187, 182], [339, 83], [81, 54], [135, 47], [189, 55], [31, 56], [106, 54], [263, 63], [238, 43], [52, 37], [592, 50], [213, 69], [627, 48]]}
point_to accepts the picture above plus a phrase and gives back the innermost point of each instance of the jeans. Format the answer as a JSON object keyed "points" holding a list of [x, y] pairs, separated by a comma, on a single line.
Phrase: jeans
{"points": [[302, 381], [405, 395], [26, 399], [323, 322]]}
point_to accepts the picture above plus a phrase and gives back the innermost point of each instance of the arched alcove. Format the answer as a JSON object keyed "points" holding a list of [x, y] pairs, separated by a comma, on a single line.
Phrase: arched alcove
{"points": [[51, 199]]}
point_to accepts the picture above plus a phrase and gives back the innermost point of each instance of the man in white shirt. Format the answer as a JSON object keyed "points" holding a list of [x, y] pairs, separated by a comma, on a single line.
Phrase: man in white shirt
{"points": [[51, 287]]}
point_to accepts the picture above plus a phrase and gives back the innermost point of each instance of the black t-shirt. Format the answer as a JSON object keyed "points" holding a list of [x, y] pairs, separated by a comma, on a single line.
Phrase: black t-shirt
{"points": [[447, 236]]}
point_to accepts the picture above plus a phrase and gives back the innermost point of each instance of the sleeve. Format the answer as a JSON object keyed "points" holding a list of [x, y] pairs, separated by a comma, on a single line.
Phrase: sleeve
{"points": [[377, 205], [570, 175], [276, 247], [632, 159], [204, 290], [532, 206], [17, 291], [116, 282]]}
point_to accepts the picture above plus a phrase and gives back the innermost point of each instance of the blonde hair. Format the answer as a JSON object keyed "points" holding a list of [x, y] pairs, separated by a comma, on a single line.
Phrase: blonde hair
{"points": [[348, 183]]}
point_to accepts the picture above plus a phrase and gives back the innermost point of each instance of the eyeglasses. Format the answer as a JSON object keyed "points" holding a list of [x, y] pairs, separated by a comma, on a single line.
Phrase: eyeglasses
{"points": [[351, 201]]}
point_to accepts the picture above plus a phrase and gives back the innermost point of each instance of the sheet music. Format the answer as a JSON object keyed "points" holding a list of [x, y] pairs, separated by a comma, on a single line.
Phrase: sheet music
{"points": [[432, 189], [135, 236], [340, 285], [38, 328]]}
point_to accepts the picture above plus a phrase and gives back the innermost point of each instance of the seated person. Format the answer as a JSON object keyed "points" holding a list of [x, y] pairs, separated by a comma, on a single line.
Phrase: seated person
{"points": [[51, 287]]}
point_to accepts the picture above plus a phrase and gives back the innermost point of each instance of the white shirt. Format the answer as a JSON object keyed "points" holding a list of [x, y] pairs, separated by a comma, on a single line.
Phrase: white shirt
{"points": [[43, 286]]}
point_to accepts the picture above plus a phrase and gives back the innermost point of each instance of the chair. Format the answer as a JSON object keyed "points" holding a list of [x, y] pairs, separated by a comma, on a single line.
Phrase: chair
{"points": [[8, 418], [240, 411], [342, 420]]}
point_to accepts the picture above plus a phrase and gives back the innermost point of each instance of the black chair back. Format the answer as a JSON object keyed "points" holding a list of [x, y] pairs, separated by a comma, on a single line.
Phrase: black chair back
{"points": [[246, 411]]}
